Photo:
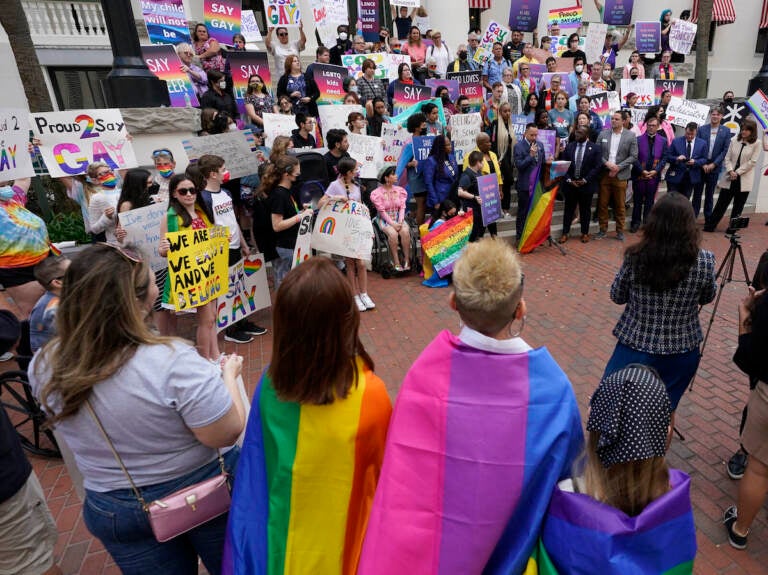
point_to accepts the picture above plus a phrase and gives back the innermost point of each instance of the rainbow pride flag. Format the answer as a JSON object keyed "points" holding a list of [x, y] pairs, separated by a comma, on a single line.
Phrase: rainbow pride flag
{"points": [[539, 218], [305, 481], [444, 244], [582, 535], [477, 442]]}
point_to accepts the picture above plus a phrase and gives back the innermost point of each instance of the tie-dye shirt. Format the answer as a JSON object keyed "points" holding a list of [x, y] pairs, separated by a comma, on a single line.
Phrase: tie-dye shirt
{"points": [[23, 235]]}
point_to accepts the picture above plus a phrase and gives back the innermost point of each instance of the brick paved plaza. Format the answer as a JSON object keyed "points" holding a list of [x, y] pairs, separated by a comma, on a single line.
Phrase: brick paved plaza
{"points": [[569, 311]]}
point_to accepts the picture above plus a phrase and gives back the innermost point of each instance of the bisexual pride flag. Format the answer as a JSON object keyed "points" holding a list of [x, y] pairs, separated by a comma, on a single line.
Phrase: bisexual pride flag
{"points": [[305, 481], [477, 442], [582, 535], [539, 219]]}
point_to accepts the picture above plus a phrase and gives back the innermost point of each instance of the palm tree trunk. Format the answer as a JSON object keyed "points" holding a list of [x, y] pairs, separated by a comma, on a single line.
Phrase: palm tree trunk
{"points": [[702, 48], [14, 21]]}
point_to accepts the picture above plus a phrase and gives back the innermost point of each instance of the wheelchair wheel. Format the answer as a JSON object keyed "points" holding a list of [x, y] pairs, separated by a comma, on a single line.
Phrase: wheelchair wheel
{"points": [[27, 416]]}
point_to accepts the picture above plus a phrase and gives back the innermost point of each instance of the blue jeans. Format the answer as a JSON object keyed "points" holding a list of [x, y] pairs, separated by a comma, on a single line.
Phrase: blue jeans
{"points": [[283, 265], [117, 519]]}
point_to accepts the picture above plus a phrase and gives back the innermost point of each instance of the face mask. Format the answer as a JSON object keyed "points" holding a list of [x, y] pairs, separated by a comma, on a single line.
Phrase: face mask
{"points": [[108, 181], [225, 177], [462, 55], [579, 69], [223, 85], [6, 193], [606, 73], [166, 173], [353, 89], [634, 77], [465, 109], [728, 101], [343, 36]]}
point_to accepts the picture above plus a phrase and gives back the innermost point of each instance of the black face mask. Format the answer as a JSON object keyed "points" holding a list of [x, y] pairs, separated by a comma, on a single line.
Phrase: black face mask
{"points": [[465, 109], [462, 55], [633, 77], [445, 98], [220, 123], [728, 101]]}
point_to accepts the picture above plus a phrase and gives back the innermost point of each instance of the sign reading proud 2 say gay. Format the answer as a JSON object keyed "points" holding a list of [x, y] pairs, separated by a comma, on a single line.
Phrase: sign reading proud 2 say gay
{"points": [[71, 140]]}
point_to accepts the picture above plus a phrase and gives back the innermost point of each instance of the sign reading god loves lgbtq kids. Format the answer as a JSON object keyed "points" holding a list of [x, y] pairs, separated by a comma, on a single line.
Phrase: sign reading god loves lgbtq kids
{"points": [[344, 228], [73, 139], [14, 135], [248, 291], [197, 266]]}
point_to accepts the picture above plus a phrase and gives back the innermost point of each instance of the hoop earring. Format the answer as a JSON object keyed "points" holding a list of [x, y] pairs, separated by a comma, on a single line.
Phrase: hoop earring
{"points": [[522, 327]]}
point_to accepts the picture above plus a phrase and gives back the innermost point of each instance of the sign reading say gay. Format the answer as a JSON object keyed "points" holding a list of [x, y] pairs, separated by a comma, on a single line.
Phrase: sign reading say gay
{"points": [[248, 292], [197, 266], [222, 18], [73, 139]]}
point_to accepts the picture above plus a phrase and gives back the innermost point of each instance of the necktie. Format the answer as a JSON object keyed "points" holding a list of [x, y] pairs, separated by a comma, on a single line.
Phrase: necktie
{"points": [[688, 150], [579, 158], [649, 163]]}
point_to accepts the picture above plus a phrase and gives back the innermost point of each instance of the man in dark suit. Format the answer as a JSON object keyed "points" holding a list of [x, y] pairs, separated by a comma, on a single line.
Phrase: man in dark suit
{"points": [[529, 156], [652, 151], [619, 154], [687, 154], [718, 139], [580, 181]]}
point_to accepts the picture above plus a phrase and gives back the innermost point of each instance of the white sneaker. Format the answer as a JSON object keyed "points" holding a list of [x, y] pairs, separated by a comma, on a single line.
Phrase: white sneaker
{"points": [[507, 216], [367, 301], [360, 304], [7, 356]]}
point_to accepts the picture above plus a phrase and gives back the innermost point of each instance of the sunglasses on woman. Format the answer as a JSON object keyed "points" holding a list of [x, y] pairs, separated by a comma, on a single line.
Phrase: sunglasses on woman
{"points": [[186, 191]]}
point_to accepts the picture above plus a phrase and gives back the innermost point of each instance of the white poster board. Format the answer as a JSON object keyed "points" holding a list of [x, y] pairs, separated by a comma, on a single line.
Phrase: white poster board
{"points": [[464, 130], [344, 228], [248, 292], [278, 125], [15, 161], [368, 152], [681, 111], [645, 90], [303, 249], [74, 139], [394, 63], [595, 41], [236, 147], [681, 36], [248, 26], [143, 228], [335, 116], [393, 139]]}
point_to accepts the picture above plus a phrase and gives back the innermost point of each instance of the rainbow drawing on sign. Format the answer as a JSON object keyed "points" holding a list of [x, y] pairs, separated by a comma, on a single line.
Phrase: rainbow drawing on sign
{"points": [[89, 125], [252, 266], [328, 226], [300, 257]]}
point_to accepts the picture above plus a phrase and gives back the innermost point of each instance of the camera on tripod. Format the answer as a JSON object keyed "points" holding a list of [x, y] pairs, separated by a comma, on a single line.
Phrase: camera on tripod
{"points": [[736, 224]]}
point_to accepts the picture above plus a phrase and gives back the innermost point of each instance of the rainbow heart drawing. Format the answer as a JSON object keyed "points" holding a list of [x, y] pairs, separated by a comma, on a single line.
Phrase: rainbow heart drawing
{"points": [[252, 266]]}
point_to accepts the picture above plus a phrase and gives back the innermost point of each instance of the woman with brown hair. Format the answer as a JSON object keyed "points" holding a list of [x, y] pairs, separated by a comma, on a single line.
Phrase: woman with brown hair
{"points": [[736, 182], [106, 365], [315, 438], [293, 84], [207, 49]]}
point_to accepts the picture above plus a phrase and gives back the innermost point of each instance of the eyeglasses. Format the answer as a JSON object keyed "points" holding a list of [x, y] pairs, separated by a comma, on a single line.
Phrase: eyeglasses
{"points": [[186, 191], [127, 253]]}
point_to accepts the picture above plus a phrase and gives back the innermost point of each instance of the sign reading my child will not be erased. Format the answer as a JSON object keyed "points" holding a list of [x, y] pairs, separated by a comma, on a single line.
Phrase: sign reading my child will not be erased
{"points": [[73, 139], [197, 266]]}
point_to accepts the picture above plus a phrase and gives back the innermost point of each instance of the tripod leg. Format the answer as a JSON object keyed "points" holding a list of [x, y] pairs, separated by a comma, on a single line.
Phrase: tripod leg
{"points": [[744, 266], [727, 265]]}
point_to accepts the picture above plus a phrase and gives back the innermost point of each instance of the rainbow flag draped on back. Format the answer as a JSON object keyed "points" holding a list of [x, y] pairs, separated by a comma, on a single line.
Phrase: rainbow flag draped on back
{"points": [[582, 535], [305, 481], [539, 218], [476, 444]]}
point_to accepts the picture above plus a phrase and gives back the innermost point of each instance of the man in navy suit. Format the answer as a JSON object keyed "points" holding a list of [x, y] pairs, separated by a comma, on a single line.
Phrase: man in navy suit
{"points": [[718, 138], [580, 181], [529, 156], [652, 152], [686, 156]]}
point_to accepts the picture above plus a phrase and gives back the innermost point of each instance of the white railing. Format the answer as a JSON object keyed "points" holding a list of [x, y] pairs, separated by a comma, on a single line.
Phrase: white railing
{"points": [[66, 24]]}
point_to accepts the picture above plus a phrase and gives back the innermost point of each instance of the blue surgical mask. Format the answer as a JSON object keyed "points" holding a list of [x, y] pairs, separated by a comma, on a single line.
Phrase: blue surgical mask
{"points": [[6, 193]]}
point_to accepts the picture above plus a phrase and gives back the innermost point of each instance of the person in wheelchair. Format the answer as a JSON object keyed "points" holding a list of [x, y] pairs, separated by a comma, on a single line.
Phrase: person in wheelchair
{"points": [[390, 201], [27, 529]]}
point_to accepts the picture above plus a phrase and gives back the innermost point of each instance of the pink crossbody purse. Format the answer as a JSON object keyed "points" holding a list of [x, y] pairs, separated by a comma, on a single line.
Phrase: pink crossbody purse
{"points": [[182, 510]]}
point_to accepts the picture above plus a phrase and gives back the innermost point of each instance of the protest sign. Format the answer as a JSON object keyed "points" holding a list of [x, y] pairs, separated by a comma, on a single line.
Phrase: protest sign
{"points": [[248, 292], [444, 244], [464, 130], [278, 125], [335, 116], [614, 101], [73, 139], [681, 111], [733, 114], [681, 36], [495, 32], [490, 201], [422, 146], [524, 15], [354, 63], [618, 12], [303, 249], [519, 122], [15, 161], [758, 105], [368, 18], [369, 154], [675, 87], [330, 82], [222, 18], [648, 37], [406, 95], [248, 26], [393, 139], [243, 65], [165, 64], [344, 228], [638, 115], [402, 119], [142, 226], [645, 90], [197, 266], [452, 85], [394, 61], [283, 13], [237, 147], [471, 86], [166, 21], [560, 45], [406, 3], [538, 71], [598, 103], [548, 141], [593, 46], [566, 18], [546, 79]]}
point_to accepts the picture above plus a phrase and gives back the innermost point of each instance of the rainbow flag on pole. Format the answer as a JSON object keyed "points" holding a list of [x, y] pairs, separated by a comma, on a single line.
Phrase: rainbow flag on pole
{"points": [[539, 218], [582, 535], [305, 481], [477, 442]]}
